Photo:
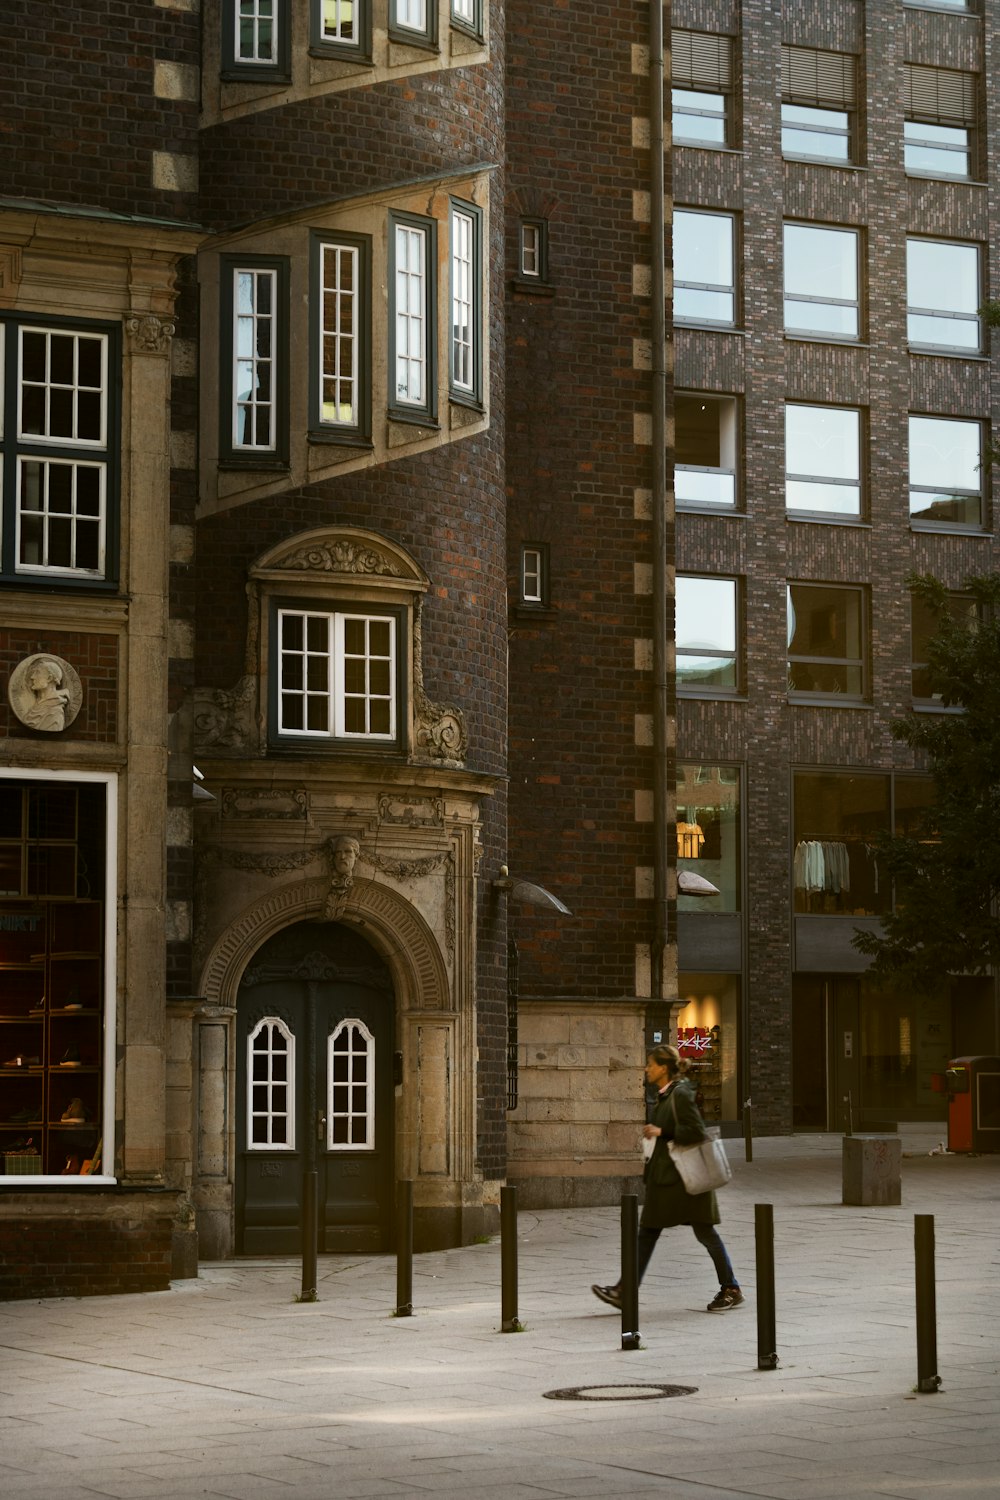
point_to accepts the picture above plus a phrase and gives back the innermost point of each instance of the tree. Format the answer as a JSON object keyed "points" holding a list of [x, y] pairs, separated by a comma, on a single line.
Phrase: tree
{"points": [[947, 875]]}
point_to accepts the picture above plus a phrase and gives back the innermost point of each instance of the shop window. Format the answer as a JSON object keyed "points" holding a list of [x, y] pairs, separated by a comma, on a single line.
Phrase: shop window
{"points": [[706, 438], [946, 474], [350, 1109], [341, 338], [708, 834], [271, 1087], [838, 819], [940, 117], [708, 1035], [254, 361], [923, 625], [337, 676], [56, 1024], [943, 295], [708, 635], [59, 435], [414, 22], [412, 318], [465, 364], [826, 641], [819, 97], [342, 28], [702, 89], [821, 282], [255, 40], [704, 267], [823, 460]]}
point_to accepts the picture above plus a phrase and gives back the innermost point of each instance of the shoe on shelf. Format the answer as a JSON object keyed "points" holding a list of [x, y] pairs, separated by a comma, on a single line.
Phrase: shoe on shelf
{"points": [[725, 1298], [70, 1058], [76, 1113], [612, 1295], [25, 1116], [22, 1062]]}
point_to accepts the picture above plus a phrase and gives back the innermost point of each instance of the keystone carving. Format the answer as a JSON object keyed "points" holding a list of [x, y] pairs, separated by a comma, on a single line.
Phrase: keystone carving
{"points": [[149, 334], [341, 557]]}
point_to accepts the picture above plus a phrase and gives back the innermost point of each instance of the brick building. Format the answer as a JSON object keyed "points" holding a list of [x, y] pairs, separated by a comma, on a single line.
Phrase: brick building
{"points": [[835, 227]]}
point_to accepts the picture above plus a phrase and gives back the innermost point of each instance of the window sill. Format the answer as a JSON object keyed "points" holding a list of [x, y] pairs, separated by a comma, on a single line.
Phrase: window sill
{"points": [[951, 528], [810, 518], [707, 695], [710, 327], [414, 419], [691, 508], [529, 286], [828, 700], [792, 336], [708, 146], [322, 438], [263, 76], [332, 53], [934, 351], [920, 707], [253, 465], [822, 161], [941, 177], [540, 614]]}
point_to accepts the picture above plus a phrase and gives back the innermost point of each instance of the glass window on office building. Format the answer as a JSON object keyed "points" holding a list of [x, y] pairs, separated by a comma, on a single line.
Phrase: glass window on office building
{"points": [[708, 836], [943, 296]]}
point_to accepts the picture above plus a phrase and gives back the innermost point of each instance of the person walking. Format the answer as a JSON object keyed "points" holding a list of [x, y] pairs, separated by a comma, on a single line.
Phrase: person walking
{"points": [[676, 1117]]}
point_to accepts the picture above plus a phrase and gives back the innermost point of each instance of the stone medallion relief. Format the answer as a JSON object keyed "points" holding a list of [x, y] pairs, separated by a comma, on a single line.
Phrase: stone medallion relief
{"points": [[45, 692]]}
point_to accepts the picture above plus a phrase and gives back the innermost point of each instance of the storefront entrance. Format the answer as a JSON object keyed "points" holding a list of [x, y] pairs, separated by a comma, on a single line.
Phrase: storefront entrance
{"points": [[315, 1092], [863, 1058]]}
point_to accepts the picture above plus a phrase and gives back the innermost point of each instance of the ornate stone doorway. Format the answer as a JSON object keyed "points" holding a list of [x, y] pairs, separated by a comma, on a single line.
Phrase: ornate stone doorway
{"points": [[314, 1091]]}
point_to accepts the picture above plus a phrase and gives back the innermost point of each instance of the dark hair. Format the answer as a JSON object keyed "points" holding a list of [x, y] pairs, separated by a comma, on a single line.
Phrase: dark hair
{"points": [[670, 1058]]}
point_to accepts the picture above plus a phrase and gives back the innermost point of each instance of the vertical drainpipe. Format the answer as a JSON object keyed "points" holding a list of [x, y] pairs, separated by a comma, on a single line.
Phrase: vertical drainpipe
{"points": [[658, 395]]}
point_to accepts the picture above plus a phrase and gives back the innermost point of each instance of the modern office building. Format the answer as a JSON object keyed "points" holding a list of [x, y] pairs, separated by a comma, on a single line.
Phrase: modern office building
{"points": [[835, 230]]}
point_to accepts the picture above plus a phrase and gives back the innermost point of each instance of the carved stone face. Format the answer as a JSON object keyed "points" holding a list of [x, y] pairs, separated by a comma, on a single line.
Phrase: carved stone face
{"points": [[44, 677], [345, 856]]}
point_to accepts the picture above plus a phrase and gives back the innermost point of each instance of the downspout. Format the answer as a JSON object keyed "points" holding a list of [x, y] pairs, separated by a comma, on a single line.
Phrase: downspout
{"points": [[658, 396]]}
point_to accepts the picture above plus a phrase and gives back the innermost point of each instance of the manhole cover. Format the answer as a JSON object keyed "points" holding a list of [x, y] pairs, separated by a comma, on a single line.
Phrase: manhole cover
{"points": [[634, 1392]]}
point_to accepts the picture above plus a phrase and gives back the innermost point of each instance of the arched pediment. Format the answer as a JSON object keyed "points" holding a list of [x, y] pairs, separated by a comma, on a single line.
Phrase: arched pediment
{"points": [[347, 552]]}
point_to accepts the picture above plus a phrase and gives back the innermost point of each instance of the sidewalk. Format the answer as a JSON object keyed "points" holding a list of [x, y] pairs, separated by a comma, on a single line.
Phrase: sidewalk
{"points": [[226, 1387]]}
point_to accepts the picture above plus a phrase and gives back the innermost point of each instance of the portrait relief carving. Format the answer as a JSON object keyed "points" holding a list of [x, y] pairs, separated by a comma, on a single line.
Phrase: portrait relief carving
{"points": [[45, 693]]}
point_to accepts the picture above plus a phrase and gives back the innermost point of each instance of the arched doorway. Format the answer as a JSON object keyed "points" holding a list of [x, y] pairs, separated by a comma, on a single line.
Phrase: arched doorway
{"points": [[314, 1091]]}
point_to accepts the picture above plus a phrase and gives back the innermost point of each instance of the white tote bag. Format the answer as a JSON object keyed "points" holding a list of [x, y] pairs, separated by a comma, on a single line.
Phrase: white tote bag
{"points": [[701, 1167]]}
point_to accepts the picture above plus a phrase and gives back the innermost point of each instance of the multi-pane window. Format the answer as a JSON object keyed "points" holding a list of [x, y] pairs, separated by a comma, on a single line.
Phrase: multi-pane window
{"points": [[707, 634], [706, 446], [823, 459], [413, 20], [819, 96], [256, 31], [532, 245], [465, 361], [341, 350], [255, 309], [350, 1110], [336, 675], [940, 115], [704, 267], [821, 282], [826, 640], [57, 451], [946, 474], [923, 625], [271, 1087], [943, 295], [702, 83], [341, 22], [412, 317], [534, 574], [467, 14]]}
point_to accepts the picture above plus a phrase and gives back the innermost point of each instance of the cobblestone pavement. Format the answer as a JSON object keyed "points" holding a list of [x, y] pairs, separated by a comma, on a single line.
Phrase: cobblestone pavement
{"points": [[225, 1386]]}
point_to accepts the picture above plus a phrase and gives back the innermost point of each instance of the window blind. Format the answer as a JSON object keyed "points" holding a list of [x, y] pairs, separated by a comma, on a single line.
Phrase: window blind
{"points": [[699, 60], [940, 94], [809, 76]]}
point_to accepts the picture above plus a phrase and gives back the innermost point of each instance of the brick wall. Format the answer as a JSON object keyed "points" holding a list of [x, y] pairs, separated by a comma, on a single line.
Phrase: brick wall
{"points": [[84, 1244], [95, 659]]}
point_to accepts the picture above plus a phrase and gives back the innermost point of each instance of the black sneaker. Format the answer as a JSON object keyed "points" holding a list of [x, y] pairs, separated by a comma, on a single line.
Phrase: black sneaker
{"points": [[612, 1295], [725, 1298]]}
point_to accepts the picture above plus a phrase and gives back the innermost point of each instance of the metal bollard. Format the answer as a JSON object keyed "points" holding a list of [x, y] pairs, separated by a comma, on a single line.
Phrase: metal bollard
{"points": [[748, 1131], [310, 1236], [928, 1379], [630, 1271], [767, 1340], [404, 1249], [508, 1261]]}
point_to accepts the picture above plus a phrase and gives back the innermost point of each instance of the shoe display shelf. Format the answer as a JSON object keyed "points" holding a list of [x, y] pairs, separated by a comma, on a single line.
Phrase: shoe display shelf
{"points": [[51, 1036]]}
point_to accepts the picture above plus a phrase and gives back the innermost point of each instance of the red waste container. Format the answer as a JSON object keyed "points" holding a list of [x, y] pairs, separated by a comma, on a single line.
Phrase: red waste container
{"points": [[973, 1088]]}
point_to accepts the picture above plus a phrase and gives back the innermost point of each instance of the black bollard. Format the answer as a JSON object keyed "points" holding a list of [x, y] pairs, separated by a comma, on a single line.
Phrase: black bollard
{"points": [[928, 1379], [767, 1339], [404, 1249], [310, 1235], [508, 1261], [748, 1131], [630, 1271]]}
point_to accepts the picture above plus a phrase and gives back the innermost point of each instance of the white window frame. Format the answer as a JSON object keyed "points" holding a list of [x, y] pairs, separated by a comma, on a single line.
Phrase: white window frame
{"points": [[532, 575], [61, 440], [412, 318], [466, 13], [251, 406], [335, 32], [410, 15], [269, 1084], [531, 249], [356, 1029], [333, 256], [109, 780], [727, 289], [941, 316], [50, 518], [250, 10], [464, 357], [334, 691], [817, 298]]}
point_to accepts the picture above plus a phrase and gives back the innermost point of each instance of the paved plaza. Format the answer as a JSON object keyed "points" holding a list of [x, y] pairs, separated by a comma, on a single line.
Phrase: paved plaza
{"points": [[226, 1386]]}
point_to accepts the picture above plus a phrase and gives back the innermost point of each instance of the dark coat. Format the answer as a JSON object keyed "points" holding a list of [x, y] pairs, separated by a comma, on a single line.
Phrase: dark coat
{"points": [[666, 1202]]}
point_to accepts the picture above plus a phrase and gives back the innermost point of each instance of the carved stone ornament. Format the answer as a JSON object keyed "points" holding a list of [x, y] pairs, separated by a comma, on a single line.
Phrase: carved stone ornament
{"points": [[223, 718], [253, 803], [149, 334], [341, 557], [45, 693], [10, 273], [439, 729]]}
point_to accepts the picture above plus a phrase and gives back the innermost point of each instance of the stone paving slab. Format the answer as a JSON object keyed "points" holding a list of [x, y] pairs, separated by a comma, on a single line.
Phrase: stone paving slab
{"points": [[225, 1386]]}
